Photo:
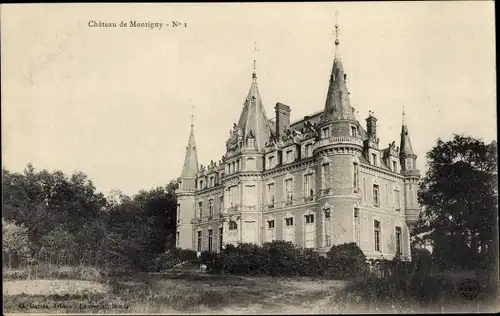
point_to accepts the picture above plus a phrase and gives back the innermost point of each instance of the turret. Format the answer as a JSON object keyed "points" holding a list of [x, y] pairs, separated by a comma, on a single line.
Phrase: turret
{"points": [[411, 174], [185, 194], [337, 149]]}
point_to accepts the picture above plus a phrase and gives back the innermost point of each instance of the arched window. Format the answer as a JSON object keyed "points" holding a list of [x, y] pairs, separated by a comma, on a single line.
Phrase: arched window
{"points": [[233, 225]]}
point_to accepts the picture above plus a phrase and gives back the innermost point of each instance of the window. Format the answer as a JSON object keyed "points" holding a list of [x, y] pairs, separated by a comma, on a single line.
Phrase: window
{"points": [[364, 189], [251, 142], [354, 131], [200, 209], [308, 187], [271, 162], [232, 195], [409, 164], [308, 150], [210, 207], [355, 182], [289, 157], [221, 203], [233, 225], [271, 232], [309, 231], [238, 165], [357, 235], [396, 200], [398, 240], [178, 239], [288, 232], [395, 166], [210, 236], [376, 225], [178, 213], [328, 228], [289, 221], [250, 163], [289, 191], [270, 194], [221, 232], [201, 184], [376, 201], [326, 132], [326, 176], [374, 159], [199, 241], [386, 193]]}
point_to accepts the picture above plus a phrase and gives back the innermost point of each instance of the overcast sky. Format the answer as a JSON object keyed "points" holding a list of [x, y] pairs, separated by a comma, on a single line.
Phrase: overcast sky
{"points": [[115, 103]]}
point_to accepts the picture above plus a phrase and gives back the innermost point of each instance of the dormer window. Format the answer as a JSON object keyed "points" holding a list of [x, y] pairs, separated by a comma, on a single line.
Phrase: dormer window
{"points": [[201, 184], [354, 131], [251, 142], [326, 132], [271, 162], [374, 159], [289, 157], [307, 150], [395, 166]]}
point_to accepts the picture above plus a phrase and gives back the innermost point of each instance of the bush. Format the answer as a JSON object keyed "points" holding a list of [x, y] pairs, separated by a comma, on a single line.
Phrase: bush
{"points": [[346, 261], [185, 254], [165, 261]]}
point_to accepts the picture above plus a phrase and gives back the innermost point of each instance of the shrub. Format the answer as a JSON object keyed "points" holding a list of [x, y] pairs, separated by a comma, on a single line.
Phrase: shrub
{"points": [[165, 261], [346, 261], [185, 254]]}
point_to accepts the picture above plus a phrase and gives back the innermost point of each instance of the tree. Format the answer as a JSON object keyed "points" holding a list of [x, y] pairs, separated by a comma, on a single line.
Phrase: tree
{"points": [[459, 199], [15, 244]]}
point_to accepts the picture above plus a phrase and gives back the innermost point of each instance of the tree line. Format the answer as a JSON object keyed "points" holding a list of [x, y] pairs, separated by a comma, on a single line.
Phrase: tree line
{"points": [[51, 216], [59, 218]]}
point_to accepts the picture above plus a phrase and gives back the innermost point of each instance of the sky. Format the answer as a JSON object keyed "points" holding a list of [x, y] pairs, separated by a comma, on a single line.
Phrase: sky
{"points": [[115, 103]]}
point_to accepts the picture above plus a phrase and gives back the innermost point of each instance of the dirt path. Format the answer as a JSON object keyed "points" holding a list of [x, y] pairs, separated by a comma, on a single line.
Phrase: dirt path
{"points": [[52, 287]]}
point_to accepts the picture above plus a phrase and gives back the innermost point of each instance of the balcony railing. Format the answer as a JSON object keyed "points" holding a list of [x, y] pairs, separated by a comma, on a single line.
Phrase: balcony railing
{"points": [[334, 140]]}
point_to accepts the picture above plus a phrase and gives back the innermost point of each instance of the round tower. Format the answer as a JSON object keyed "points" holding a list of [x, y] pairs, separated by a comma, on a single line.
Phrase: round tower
{"points": [[337, 150]]}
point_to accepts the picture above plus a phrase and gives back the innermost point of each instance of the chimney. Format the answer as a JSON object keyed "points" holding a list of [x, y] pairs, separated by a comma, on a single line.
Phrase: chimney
{"points": [[371, 124], [282, 118]]}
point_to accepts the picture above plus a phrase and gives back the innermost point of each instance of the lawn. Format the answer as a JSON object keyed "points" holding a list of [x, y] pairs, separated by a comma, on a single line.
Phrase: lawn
{"points": [[80, 291], [172, 293]]}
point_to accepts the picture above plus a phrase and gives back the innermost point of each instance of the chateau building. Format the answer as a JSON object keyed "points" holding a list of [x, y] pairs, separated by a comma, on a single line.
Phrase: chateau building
{"points": [[321, 181]]}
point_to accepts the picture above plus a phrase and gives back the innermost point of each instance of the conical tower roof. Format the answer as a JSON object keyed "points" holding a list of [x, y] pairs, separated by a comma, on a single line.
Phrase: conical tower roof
{"points": [[190, 168], [253, 116], [338, 105], [405, 147]]}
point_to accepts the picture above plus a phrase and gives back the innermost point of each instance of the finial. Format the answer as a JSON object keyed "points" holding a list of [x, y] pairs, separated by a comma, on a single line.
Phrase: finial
{"points": [[403, 115], [192, 115], [337, 28], [255, 50]]}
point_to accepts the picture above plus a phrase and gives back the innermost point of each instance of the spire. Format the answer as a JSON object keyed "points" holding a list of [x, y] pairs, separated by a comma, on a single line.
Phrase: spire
{"points": [[254, 73], [405, 147], [190, 168], [338, 106], [253, 119]]}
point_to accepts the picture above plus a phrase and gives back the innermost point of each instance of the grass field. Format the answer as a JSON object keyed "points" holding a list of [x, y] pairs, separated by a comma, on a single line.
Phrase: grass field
{"points": [[82, 291]]}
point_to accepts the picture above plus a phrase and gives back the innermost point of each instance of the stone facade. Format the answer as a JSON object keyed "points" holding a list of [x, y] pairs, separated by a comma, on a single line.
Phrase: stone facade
{"points": [[320, 181]]}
